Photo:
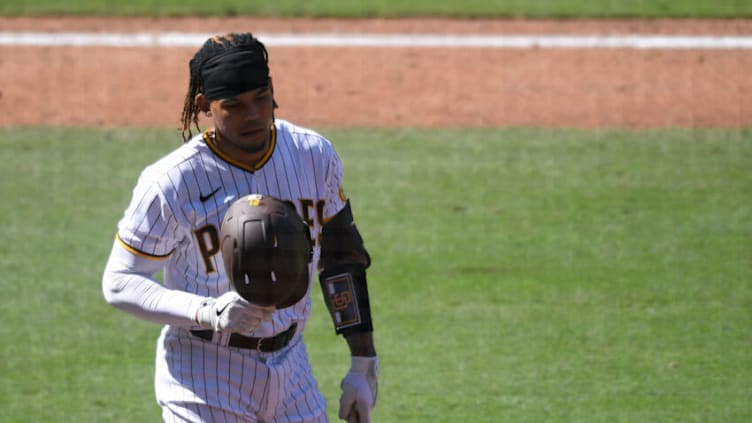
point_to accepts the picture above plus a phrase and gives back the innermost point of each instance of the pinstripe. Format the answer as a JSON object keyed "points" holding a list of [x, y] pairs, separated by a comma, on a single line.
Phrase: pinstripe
{"points": [[223, 398], [193, 194], [275, 176], [308, 386], [313, 169], [296, 177], [181, 357], [279, 179], [204, 381], [195, 377], [174, 188]]}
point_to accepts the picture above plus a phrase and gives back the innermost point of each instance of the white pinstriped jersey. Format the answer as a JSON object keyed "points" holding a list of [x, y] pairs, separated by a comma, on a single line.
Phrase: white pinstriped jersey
{"points": [[179, 203]]}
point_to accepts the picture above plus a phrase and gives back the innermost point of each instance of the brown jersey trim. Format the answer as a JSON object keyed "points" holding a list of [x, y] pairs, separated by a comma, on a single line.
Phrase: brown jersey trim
{"points": [[139, 252], [209, 140]]}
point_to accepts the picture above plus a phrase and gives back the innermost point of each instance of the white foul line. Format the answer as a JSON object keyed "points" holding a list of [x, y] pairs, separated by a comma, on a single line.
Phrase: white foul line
{"points": [[194, 40]]}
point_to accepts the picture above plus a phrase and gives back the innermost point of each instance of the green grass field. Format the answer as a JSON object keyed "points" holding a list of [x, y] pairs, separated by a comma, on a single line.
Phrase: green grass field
{"points": [[521, 275], [387, 8]]}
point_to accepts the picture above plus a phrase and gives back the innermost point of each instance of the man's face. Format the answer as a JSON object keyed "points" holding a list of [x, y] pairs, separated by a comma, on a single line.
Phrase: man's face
{"points": [[245, 120]]}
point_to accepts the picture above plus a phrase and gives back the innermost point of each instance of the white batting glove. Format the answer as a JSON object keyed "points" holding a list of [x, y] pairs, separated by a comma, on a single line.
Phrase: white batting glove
{"points": [[359, 390], [231, 313]]}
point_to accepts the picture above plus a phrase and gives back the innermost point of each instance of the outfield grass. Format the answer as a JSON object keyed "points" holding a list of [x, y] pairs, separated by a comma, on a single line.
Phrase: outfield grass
{"points": [[519, 275], [387, 8]]}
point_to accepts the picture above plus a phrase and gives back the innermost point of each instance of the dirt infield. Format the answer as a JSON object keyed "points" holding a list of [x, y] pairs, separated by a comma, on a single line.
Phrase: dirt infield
{"points": [[427, 87]]}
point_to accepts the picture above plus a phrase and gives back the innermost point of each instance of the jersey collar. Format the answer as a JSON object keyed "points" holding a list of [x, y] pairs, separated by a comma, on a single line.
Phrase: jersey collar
{"points": [[208, 136]]}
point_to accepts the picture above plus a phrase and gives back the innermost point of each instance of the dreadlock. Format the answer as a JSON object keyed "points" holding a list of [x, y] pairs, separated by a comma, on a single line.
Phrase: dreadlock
{"points": [[211, 47]]}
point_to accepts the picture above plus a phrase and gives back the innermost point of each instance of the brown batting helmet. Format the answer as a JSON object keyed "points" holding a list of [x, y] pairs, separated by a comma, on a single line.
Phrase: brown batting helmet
{"points": [[266, 248]]}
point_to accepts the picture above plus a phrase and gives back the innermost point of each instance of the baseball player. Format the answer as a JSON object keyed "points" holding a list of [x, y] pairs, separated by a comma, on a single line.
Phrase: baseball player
{"points": [[220, 357]]}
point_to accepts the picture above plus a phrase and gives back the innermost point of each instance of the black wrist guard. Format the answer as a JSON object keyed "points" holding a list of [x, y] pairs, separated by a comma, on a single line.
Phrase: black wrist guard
{"points": [[346, 296]]}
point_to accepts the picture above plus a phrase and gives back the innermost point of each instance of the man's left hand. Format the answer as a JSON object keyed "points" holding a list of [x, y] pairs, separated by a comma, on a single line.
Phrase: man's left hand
{"points": [[359, 390]]}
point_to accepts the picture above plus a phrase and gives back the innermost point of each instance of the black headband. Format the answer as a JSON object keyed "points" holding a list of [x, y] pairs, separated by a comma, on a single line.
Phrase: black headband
{"points": [[234, 71]]}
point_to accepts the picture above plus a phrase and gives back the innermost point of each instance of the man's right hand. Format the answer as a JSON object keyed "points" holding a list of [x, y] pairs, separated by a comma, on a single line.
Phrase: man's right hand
{"points": [[231, 313]]}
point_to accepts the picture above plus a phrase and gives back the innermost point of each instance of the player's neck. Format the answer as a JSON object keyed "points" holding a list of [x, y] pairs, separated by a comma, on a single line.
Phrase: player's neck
{"points": [[238, 154]]}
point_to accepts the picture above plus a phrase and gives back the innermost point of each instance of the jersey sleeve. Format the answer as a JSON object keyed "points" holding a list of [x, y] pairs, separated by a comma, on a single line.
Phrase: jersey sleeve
{"points": [[335, 198], [149, 226], [128, 284]]}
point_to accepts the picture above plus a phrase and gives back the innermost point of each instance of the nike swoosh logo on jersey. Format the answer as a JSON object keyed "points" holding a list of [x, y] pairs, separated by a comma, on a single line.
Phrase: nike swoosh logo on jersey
{"points": [[203, 197]]}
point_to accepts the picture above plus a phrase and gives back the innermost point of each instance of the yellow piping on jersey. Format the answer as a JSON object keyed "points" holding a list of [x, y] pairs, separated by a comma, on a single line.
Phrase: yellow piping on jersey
{"points": [[139, 252], [209, 140]]}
